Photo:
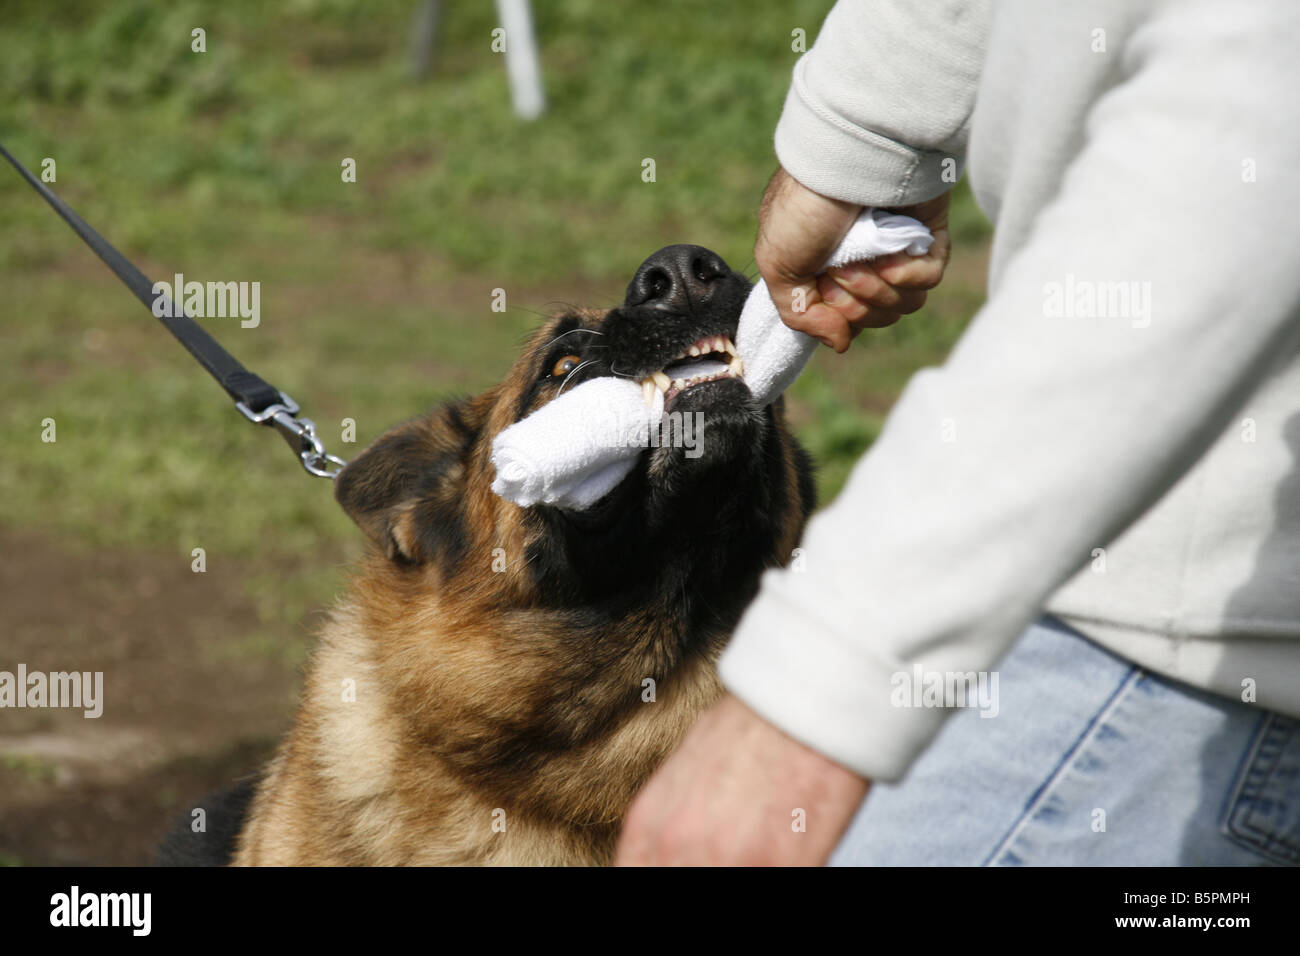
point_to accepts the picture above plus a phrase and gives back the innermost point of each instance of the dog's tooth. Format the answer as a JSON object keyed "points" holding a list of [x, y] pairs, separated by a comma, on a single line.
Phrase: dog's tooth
{"points": [[715, 343], [662, 380], [737, 367], [728, 347], [648, 392], [694, 350], [679, 384]]}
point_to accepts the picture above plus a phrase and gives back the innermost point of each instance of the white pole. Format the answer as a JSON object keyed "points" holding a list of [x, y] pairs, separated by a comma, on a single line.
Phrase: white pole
{"points": [[523, 66]]}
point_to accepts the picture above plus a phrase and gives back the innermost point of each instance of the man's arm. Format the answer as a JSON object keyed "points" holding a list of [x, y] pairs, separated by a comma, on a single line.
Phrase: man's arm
{"points": [[878, 114], [1044, 436]]}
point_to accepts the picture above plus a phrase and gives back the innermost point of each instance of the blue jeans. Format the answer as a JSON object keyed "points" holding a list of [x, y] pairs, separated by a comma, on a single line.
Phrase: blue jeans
{"points": [[1091, 761]]}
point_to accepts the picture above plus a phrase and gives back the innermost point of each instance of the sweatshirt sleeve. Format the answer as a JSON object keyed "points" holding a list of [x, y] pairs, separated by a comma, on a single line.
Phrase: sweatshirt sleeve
{"points": [[1057, 420], [883, 99]]}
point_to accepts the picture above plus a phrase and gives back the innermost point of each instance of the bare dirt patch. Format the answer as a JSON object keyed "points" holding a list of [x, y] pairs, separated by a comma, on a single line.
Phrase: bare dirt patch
{"points": [[182, 715]]}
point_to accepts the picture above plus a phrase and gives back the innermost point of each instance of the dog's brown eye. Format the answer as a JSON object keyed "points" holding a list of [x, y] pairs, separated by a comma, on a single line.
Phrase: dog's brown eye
{"points": [[565, 365]]}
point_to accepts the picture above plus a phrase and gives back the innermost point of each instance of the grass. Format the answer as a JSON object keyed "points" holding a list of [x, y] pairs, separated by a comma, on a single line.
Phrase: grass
{"points": [[376, 294], [28, 767]]}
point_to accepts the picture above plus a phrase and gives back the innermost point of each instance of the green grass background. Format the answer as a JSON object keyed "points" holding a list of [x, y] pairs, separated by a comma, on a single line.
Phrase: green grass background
{"points": [[376, 295]]}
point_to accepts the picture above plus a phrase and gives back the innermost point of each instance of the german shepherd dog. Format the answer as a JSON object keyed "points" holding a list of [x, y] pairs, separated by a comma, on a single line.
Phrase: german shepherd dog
{"points": [[502, 680]]}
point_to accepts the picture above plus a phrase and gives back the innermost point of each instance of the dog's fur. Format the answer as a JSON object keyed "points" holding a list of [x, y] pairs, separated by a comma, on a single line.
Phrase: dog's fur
{"points": [[482, 695]]}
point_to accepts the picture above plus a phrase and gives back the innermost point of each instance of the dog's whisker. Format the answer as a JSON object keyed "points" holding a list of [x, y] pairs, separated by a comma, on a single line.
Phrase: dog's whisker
{"points": [[544, 346], [570, 332], [581, 366]]}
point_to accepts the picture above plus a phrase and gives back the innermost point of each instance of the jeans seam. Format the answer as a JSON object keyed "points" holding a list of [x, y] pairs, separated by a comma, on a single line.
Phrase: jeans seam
{"points": [[1031, 805], [1242, 771]]}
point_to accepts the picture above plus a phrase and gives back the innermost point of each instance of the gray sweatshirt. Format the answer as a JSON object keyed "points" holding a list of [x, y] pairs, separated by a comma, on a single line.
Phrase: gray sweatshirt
{"points": [[1116, 436]]}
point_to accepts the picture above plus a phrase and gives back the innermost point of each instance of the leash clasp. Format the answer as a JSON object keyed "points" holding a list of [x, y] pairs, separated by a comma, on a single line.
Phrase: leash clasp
{"points": [[300, 433]]}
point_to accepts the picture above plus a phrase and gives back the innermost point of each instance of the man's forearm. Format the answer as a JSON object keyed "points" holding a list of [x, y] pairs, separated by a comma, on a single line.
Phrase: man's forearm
{"points": [[1048, 431]]}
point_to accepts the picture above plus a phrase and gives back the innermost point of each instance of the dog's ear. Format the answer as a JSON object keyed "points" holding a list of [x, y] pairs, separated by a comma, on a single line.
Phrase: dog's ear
{"points": [[406, 491]]}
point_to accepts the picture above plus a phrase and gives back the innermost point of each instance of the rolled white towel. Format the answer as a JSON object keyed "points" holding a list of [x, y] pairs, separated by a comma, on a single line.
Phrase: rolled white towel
{"points": [[574, 450]]}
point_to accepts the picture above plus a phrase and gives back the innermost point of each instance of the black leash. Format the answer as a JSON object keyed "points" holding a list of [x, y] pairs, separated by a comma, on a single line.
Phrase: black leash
{"points": [[257, 400]]}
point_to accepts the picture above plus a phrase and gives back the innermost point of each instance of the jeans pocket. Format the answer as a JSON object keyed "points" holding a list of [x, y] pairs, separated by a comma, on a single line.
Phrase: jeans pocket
{"points": [[1263, 813]]}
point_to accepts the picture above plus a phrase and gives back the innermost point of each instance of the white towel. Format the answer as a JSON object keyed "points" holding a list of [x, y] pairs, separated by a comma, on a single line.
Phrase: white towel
{"points": [[576, 449]]}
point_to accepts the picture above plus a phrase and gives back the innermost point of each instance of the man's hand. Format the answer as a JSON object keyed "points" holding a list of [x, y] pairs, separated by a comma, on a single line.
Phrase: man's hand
{"points": [[798, 230], [740, 792]]}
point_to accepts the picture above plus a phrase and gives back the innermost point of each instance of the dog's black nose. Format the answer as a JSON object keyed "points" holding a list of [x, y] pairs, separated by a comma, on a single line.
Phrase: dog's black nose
{"points": [[677, 278]]}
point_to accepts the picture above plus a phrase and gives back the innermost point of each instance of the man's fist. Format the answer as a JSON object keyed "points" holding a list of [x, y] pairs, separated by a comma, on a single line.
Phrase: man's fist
{"points": [[798, 230]]}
